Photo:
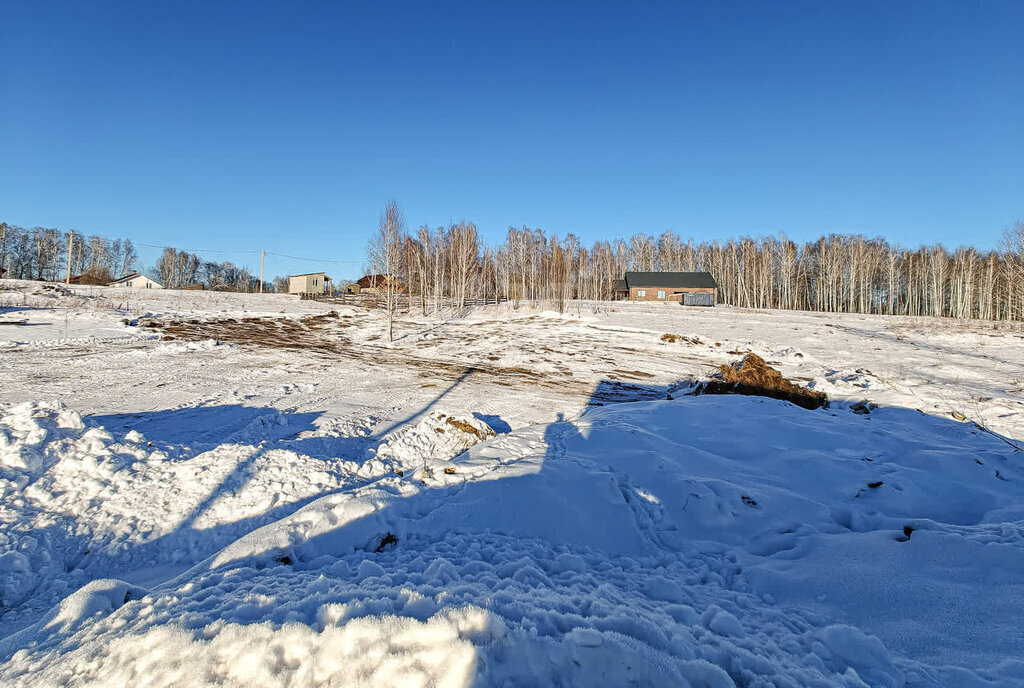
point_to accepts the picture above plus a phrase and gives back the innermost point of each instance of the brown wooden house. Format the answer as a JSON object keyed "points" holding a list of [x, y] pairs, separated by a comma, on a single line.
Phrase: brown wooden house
{"points": [[688, 288], [374, 284]]}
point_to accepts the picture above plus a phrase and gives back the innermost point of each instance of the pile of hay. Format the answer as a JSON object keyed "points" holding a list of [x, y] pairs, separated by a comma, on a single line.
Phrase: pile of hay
{"points": [[753, 377]]}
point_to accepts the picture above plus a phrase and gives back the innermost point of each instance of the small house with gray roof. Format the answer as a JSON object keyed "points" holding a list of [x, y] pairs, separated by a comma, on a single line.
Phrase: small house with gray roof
{"points": [[687, 288], [137, 280]]}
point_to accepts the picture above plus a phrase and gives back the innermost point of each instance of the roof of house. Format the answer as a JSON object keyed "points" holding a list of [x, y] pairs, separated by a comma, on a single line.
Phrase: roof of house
{"points": [[133, 275], [310, 274], [367, 281], [619, 285], [671, 280]]}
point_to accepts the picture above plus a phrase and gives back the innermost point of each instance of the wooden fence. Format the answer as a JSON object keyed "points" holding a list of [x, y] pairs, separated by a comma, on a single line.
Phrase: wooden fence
{"points": [[374, 301]]}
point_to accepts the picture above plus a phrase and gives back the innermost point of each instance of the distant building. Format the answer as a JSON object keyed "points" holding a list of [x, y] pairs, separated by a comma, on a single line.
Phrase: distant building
{"points": [[374, 284], [137, 280], [309, 283], [688, 288]]}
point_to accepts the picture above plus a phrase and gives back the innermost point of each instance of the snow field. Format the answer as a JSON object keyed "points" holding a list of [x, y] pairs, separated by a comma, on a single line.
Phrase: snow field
{"points": [[196, 512]]}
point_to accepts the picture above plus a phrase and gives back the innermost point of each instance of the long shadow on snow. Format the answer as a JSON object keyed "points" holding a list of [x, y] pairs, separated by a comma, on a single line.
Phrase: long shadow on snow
{"points": [[188, 432], [361, 538], [951, 433], [15, 309], [478, 507]]}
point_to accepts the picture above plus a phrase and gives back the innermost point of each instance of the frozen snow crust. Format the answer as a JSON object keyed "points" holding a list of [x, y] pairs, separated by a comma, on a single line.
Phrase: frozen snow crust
{"points": [[710, 541]]}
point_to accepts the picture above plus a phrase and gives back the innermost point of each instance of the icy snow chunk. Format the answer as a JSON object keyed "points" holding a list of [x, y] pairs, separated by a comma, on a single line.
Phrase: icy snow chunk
{"points": [[568, 562], [661, 588], [721, 622], [97, 598], [134, 437], [438, 437], [442, 571], [31, 431], [16, 579], [683, 613], [585, 637], [66, 418], [369, 569], [20, 458], [856, 648], [702, 673]]}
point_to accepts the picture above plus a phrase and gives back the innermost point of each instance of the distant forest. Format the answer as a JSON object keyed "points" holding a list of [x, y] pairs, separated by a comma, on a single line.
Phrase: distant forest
{"points": [[836, 273], [42, 254], [446, 265]]}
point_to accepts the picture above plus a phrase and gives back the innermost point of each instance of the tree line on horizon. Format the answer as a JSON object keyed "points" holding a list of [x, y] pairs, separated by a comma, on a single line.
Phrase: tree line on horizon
{"points": [[42, 254], [177, 269], [451, 266], [835, 273]]}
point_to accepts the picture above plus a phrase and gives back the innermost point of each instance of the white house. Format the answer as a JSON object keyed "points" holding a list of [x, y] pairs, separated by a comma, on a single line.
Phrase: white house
{"points": [[137, 280], [310, 283]]}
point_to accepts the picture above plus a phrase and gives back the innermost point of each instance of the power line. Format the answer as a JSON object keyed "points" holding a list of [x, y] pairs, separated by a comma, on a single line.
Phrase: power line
{"points": [[196, 250], [241, 250], [317, 260]]}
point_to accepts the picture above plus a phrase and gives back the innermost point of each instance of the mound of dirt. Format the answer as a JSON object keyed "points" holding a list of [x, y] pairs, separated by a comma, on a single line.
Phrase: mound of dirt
{"points": [[753, 377], [479, 430]]}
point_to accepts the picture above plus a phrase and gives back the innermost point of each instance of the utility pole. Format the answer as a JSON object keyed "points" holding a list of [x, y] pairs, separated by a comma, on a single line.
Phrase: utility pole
{"points": [[67, 272], [263, 254]]}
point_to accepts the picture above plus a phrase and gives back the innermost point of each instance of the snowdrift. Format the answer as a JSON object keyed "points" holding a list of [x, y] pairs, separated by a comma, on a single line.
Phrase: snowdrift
{"points": [[705, 541]]}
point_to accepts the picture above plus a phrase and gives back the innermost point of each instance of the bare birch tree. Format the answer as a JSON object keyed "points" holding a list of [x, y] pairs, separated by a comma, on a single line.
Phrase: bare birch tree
{"points": [[386, 250]]}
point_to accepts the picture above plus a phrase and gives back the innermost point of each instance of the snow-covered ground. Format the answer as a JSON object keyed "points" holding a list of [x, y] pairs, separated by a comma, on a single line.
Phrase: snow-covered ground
{"points": [[220, 489]]}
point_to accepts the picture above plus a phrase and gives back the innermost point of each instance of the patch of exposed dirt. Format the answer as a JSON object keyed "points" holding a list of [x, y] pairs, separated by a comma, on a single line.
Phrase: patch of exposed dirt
{"points": [[322, 334], [635, 374], [467, 428], [673, 338]]}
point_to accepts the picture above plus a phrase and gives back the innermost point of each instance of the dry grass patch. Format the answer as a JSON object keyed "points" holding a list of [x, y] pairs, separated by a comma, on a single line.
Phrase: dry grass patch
{"points": [[467, 428], [636, 374], [670, 338], [323, 335], [751, 376]]}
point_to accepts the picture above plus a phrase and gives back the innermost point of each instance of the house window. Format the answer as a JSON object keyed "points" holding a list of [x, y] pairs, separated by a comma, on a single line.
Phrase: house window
{"points": [[641, 292], [661, 294], [314, 281]]}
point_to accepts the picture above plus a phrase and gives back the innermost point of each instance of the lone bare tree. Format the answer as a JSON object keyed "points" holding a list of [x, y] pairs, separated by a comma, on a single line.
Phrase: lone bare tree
{"points": [[1013, 252], [385, 251]]}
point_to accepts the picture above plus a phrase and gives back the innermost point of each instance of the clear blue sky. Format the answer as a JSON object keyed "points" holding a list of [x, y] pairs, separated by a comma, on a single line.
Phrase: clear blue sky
{"points": [[286, 126]]}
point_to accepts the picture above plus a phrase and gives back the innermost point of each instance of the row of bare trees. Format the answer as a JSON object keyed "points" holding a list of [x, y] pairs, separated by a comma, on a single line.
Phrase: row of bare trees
{"points": [[178, 269], [835, 273], [42, 253], [449, 266]]}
